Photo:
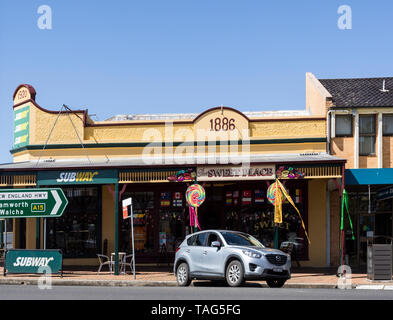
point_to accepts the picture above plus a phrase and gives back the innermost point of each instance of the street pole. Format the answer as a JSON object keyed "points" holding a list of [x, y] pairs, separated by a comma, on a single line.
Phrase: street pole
{"points": [[6, 237], [44, 233], [1, 234], [133, 241], [116, 229], [276, 236], [37, 233]]}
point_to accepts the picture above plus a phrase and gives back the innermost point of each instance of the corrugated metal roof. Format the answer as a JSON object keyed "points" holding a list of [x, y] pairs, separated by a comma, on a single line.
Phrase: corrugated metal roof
{"points": [[191, 116], [169, 161]]}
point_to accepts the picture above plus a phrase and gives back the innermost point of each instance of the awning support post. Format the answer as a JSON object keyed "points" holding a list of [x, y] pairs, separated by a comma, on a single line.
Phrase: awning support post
{"points": [[116, 229]]}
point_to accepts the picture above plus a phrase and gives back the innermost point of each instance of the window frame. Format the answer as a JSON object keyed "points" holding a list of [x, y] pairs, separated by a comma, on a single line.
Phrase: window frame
{"points": [[387, 115], [197, 235], [218, 237], [335, 125], [368, 134]]}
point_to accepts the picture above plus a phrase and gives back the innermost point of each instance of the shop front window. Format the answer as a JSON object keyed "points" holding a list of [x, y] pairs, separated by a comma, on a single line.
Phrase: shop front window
{"points": [[76, 231], [143, 210], [171, 220], [249, 211]]}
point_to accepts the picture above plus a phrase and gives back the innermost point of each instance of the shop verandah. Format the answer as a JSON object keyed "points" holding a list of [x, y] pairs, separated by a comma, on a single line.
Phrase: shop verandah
{"points": [[90, 225]]}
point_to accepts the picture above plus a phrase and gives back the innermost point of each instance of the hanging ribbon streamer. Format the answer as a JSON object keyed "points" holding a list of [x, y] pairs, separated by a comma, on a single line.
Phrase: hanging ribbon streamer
{"points": [[194, 218], [285, 193], [278, 206], [344, 204]]}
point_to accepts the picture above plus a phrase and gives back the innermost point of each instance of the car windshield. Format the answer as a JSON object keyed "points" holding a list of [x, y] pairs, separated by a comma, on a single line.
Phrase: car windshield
{"points": [[241, 239]]}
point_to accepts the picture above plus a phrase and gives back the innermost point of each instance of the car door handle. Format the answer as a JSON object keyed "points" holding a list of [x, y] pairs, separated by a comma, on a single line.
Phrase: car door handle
{"points": [[188, 250], [205, 252]]}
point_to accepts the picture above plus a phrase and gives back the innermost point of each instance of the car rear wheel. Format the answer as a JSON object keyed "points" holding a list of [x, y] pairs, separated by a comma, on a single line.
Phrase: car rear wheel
{"points": [[183, 275], [235, 274], [275, 283]]}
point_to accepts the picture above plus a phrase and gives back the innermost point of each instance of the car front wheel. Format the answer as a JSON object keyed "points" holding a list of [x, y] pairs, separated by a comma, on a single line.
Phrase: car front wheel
{"points": [[275, 283], [183, 275], [235, 274]]}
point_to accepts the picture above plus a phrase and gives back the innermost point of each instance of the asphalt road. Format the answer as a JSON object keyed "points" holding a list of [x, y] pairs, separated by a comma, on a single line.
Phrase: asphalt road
{"points": [[14, 292]]}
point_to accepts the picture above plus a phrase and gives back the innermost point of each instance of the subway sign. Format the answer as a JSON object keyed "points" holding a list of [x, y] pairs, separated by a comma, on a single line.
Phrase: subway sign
{"points": [[33, 261], [32, 203], [47, 178]]}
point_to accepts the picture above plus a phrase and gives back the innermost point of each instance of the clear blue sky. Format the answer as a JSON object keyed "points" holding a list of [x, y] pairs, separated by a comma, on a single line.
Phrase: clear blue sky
{"points": [[128, 56]]}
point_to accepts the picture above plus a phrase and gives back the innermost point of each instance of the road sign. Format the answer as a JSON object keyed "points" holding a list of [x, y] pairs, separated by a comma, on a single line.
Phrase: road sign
{"points": [[32, 203]]}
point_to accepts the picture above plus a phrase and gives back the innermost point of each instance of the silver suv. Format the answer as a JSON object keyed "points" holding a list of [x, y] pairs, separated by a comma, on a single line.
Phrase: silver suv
{"points": [[232, 256]]}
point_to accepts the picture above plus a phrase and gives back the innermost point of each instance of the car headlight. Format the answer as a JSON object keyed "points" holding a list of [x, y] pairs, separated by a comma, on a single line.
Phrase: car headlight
{"points": [[252, 254]]}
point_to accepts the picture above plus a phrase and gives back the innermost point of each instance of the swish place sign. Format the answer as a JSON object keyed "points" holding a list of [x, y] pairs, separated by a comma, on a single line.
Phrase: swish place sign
{"points": [[47, 178], [32, 203], [226, 173], [33, 261]]}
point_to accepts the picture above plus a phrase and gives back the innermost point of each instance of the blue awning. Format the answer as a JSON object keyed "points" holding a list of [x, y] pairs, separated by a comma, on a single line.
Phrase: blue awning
{"points": [[368, 176]]}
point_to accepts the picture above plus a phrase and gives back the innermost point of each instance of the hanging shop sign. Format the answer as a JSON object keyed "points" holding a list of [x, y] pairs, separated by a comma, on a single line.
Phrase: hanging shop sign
{"points": [[384, 194], [289, 173], [47, 178], [33, 261], [225, 173], [32, 203]]}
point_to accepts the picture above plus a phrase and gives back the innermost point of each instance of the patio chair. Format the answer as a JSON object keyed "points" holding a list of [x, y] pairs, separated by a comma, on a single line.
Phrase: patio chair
{"points": [[127, 261], [289, 247], [104, 260]]}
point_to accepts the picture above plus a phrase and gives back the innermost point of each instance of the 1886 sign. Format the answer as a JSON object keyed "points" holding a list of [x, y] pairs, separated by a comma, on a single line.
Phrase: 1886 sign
{"points": [[222, 124]]}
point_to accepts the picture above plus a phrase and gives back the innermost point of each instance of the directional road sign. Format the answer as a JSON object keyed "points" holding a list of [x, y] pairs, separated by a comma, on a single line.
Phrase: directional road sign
{"points": [[32, 203]]}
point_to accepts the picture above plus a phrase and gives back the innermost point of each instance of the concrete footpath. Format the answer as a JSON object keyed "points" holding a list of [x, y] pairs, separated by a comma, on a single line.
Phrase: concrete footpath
{"points": [[153, 276]]}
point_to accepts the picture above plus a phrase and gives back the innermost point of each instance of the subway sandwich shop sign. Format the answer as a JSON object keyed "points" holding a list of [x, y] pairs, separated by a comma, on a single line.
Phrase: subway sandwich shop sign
{"points": [[33, 261], [48, 178]]}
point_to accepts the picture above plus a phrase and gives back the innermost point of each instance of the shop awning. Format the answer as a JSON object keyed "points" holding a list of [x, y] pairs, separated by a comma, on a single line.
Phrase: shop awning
{"points": [[369, 176], [172, 161], [138, 170]]}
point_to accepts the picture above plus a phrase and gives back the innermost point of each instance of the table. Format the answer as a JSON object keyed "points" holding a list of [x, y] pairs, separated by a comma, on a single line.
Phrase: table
{"points": [[121, 256]]}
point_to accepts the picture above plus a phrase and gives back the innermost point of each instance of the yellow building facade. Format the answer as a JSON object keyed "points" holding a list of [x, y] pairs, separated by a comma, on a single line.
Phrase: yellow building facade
{"points": [[235, 155]]}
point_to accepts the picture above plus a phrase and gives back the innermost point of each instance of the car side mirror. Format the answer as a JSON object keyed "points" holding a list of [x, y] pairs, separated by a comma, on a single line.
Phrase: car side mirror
{"points": [[216, 244]]}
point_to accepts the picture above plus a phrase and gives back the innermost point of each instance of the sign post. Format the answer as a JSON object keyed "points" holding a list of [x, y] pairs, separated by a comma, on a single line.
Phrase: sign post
{"points": [[128, 203]]}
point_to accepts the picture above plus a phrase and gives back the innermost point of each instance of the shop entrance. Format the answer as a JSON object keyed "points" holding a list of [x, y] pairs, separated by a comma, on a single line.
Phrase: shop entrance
{"points": [[210, 214], [369, 214]]}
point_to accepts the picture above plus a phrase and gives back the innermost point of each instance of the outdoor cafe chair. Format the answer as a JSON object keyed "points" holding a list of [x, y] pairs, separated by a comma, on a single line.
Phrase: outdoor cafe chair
{"points": [[104, 260], [124, 263]]}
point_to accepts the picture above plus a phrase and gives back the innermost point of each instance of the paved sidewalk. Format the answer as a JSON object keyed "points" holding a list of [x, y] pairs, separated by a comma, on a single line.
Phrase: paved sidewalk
{"points": [[163, 276]]}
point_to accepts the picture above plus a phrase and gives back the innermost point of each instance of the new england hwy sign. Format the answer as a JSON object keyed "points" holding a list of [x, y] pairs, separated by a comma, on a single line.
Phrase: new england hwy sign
{"points": [[32, 203]]}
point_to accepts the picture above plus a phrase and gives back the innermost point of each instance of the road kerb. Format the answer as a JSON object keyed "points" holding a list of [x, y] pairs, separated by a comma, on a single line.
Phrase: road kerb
{"points": [[141, 283]]}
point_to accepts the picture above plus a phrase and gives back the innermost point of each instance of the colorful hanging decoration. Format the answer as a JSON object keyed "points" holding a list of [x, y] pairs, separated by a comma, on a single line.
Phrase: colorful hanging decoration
{"points": [[299, 198], [228, 198], [259, 197], [246, 197], [165, 199], [177, 199], [195, 196], [344, 206], [277, 194], [272, 193], [289, 173], [183, 175]]}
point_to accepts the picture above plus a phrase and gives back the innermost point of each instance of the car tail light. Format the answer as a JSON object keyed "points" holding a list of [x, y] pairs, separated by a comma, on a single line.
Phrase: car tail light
{"points": [[177, 249]]}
